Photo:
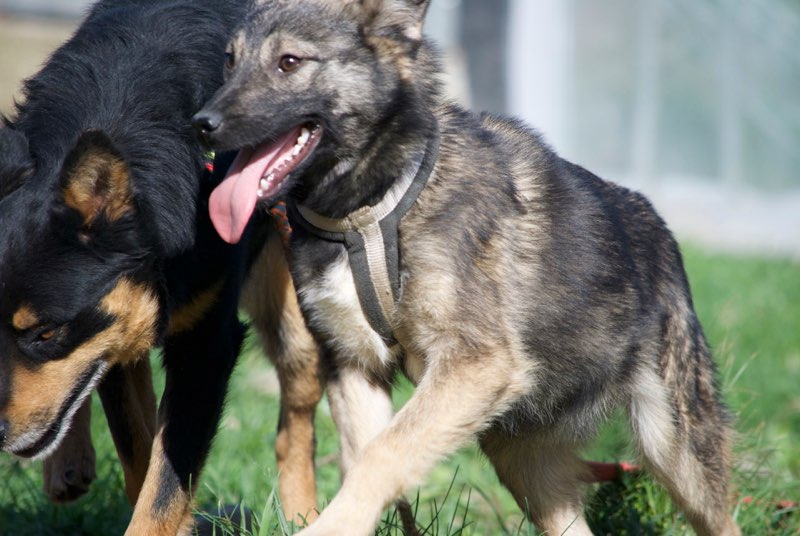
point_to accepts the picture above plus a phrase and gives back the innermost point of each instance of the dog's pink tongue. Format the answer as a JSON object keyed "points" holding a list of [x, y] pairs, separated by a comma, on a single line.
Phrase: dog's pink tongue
{"points": [[232, 202]]}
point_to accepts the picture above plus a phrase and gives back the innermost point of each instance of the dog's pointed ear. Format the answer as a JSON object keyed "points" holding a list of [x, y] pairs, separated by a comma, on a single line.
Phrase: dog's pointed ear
{"points": [[16, 165], [96, 179], [401, 20]]}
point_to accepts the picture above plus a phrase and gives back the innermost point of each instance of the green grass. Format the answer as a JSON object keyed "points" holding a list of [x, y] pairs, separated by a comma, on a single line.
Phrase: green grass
{"points": [[750, 309]]}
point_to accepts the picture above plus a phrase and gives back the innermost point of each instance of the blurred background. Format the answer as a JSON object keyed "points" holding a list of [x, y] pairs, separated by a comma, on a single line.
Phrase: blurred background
{"points": [[694, 102]]}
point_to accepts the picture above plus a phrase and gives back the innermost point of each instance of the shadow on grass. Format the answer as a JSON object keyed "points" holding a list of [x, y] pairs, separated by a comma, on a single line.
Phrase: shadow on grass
{"points": [[25, 510]]}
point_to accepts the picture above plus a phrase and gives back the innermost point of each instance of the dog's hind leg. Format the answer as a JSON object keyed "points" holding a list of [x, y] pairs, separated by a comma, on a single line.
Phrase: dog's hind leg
{"points": [[546, 480], [129, 403], [71, 468], [682, 433], [270, 300]]}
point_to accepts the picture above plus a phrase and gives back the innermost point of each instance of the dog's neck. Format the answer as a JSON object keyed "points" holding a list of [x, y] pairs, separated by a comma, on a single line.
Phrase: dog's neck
{"points": [[370, 235], [362, 178]]}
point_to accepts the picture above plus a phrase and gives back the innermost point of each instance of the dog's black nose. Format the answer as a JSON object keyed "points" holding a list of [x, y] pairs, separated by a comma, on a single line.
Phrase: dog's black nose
{"points": [[207, 122]]}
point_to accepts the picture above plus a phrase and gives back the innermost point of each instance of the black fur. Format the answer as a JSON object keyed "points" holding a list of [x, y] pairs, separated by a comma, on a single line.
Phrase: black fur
{"points": [[127, 82]]}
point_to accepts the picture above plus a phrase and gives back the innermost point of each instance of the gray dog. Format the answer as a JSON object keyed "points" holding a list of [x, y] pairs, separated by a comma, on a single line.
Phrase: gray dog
{"points": [[524, 296]]}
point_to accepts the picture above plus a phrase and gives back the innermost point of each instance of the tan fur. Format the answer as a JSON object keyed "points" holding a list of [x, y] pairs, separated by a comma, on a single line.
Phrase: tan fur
{"points": [[70, 469], [270, 300], [391, 13], [24, 318], [391, 48], [450, 406], [135, 308], [534, 297], [174, 518], [361, 410], [41, 391], [666, 454], [140, 406], [99, 184], [187, 316], [545, 480]]}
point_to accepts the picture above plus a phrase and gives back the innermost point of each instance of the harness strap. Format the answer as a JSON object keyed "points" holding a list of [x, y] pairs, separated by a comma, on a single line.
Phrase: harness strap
{"points": [[369, 235]]}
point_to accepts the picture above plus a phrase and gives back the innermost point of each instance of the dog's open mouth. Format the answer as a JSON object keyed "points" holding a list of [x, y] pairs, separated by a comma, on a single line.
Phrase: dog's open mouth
{"points": [[258, 174]]}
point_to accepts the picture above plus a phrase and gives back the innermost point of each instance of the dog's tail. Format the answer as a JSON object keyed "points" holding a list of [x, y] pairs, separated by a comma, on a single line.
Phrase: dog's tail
{"points": [[680, 423]]}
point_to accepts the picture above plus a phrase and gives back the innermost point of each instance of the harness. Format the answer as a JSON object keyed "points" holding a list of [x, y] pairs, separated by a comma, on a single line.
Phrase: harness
{"points": [[369, 234]]}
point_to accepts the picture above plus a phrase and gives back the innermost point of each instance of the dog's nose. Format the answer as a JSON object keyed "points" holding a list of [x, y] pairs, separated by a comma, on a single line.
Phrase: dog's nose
{"points": [[207, 122], [3, 428]]}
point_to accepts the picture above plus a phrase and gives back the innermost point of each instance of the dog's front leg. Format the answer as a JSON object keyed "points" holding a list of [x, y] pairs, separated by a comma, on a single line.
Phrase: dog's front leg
{"points": [[71, 468], [130, 406], [270, 299], [198, 364], [362, 409], [455, 400]]}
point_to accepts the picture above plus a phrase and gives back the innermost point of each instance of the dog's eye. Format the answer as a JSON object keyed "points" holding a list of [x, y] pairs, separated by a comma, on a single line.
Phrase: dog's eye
{"points": [[230, 60], [42, 333], [289, 63], [46, 335]]}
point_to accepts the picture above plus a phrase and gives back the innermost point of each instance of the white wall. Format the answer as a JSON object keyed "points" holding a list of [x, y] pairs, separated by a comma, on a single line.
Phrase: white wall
{"points": [[540, 67]]}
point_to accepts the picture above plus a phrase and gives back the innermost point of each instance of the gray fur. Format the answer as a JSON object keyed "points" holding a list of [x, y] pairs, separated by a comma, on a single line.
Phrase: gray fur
{"points": [[536, 297]]}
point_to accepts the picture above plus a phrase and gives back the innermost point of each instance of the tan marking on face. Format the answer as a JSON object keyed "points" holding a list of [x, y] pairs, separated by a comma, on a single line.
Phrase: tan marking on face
{"points": [[186, 317], [99, 184], [39, 392], [24, 318]]}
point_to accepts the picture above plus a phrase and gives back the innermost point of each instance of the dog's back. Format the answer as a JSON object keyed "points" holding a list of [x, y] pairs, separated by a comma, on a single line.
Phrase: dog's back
{"points": [[136, 72], [594, 286]]}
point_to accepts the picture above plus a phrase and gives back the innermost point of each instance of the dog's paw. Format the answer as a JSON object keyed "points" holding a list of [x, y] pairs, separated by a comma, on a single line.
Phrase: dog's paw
{"points": [[335, 521], [70, 470]]}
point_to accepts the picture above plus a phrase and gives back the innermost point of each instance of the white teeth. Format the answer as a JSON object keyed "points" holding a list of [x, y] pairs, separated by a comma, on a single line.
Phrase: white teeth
{"points": [[266, 182], [304, 135]]}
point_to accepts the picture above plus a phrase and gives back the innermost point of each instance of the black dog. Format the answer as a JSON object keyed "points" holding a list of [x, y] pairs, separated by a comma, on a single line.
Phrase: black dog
{"points": [[106, 250]]}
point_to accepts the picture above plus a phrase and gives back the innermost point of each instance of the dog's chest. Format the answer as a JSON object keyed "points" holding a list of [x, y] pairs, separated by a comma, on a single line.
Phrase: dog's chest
{"points": [[334, 312]]}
